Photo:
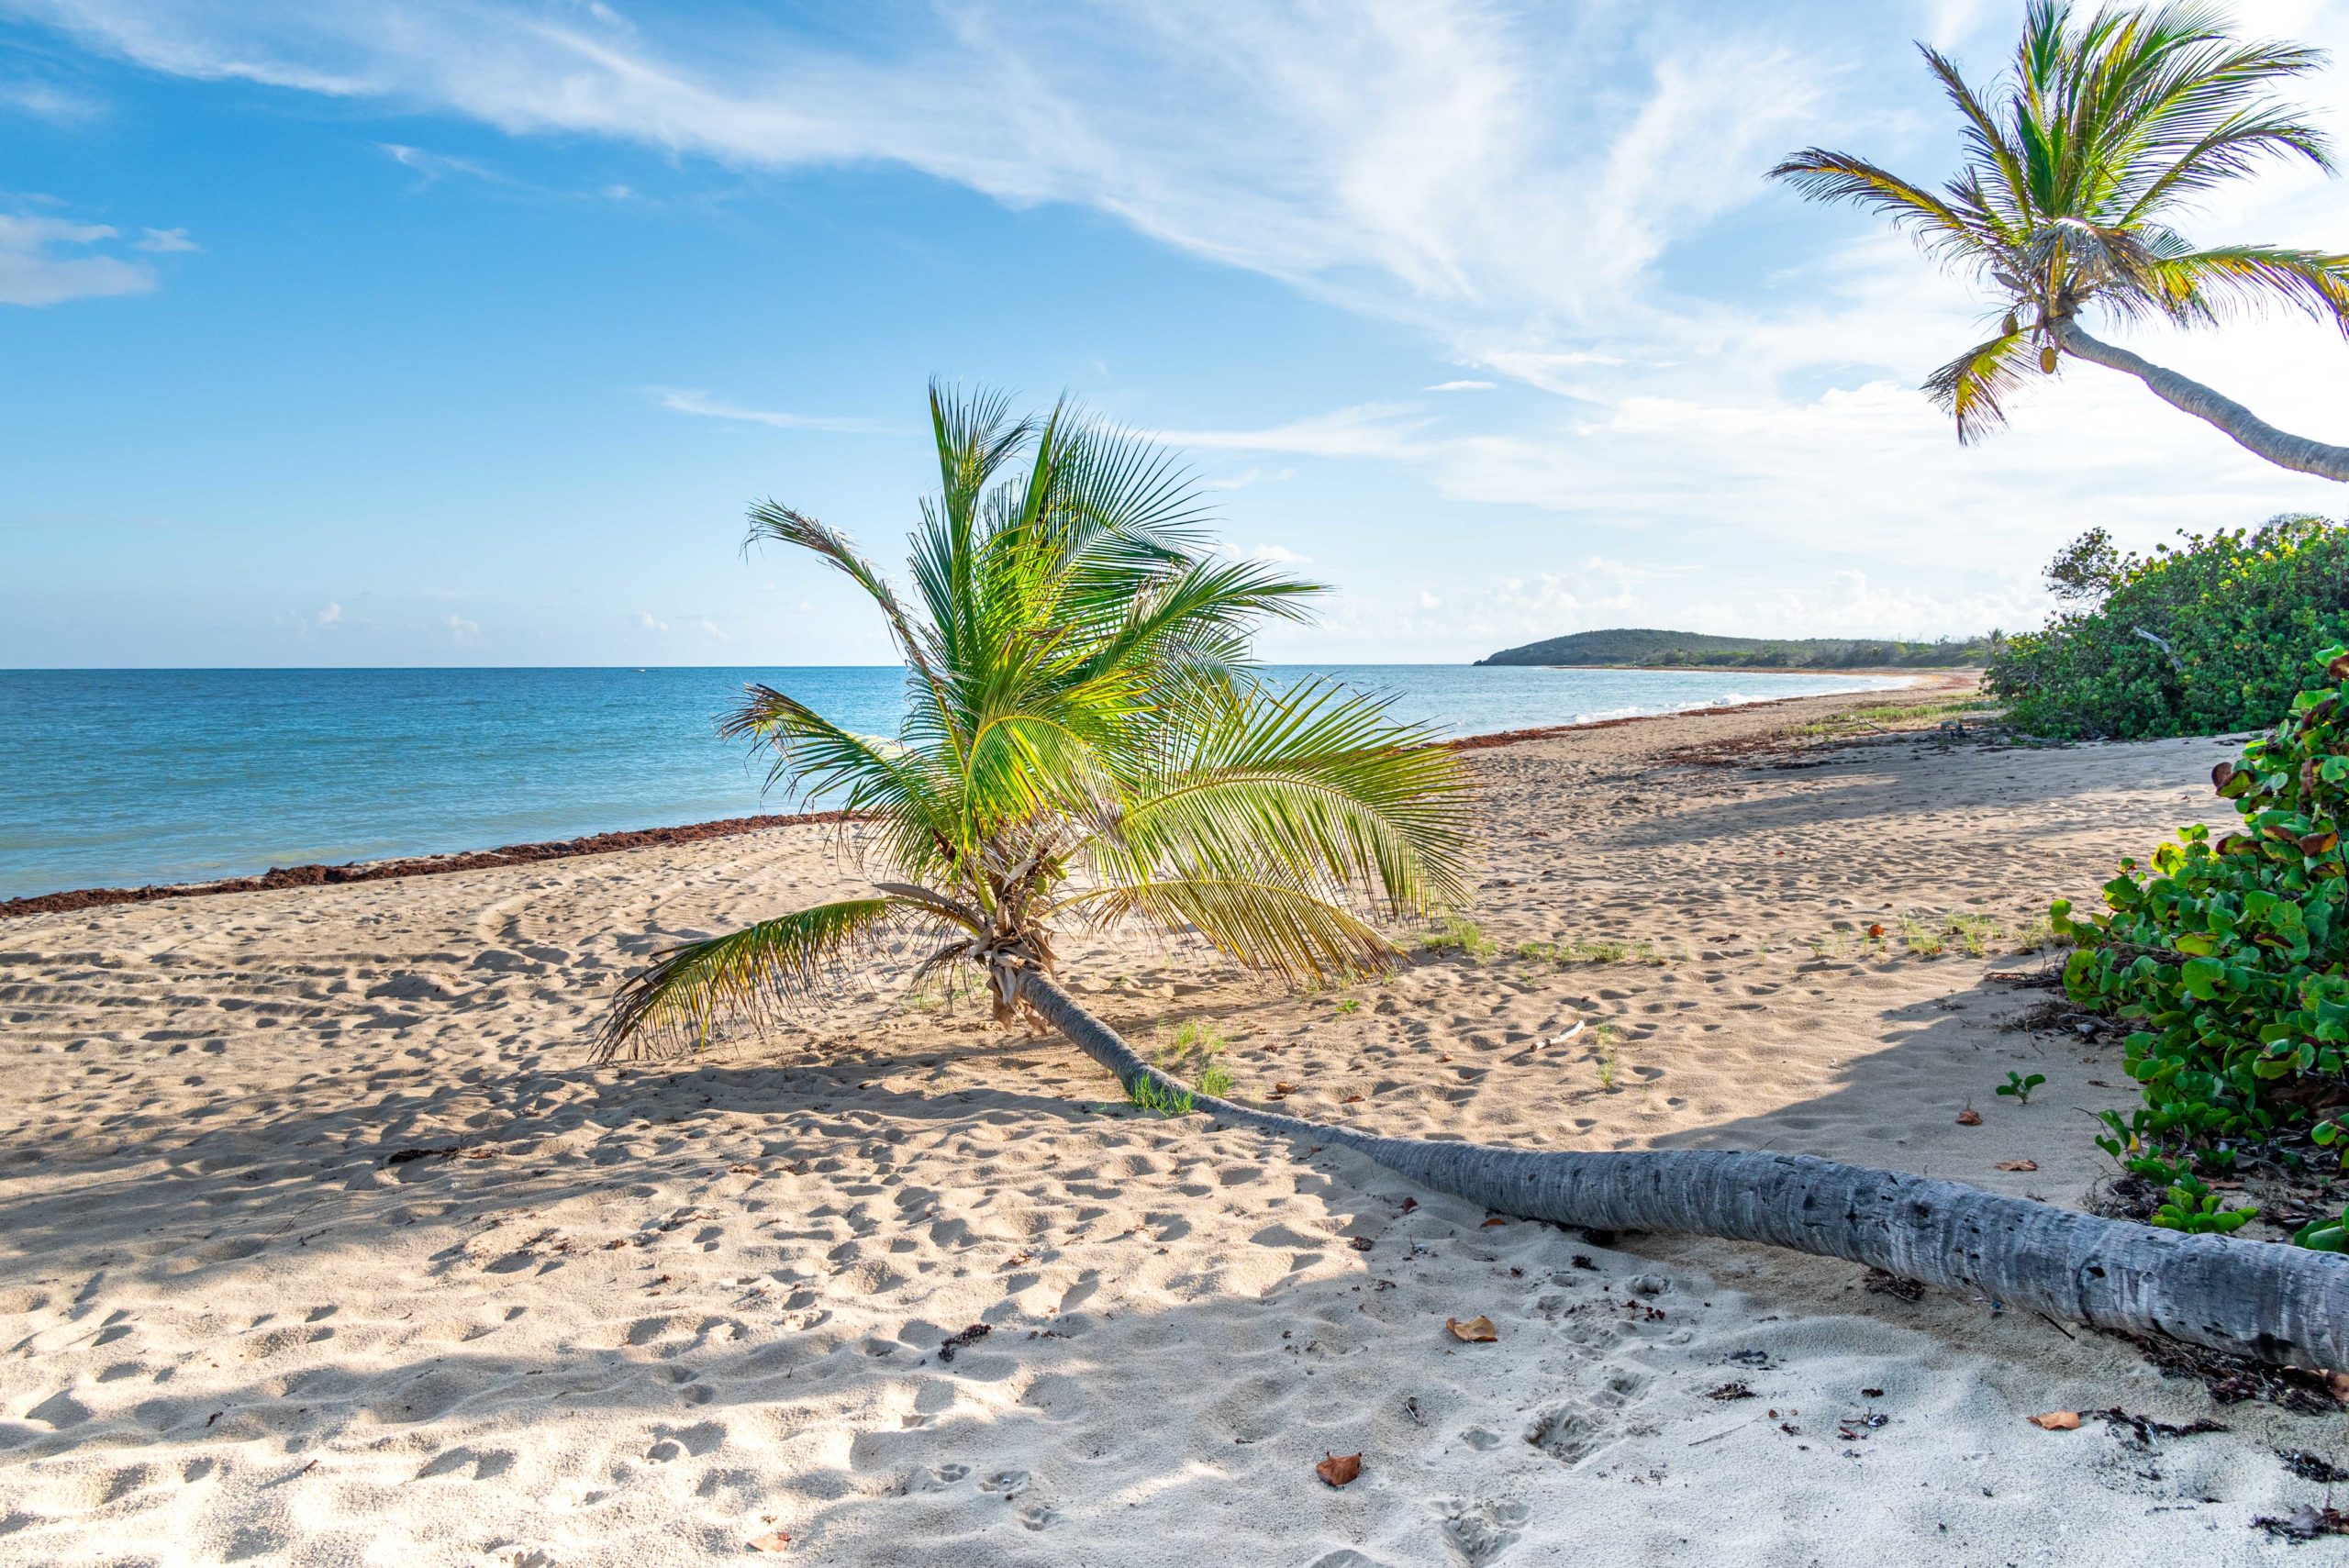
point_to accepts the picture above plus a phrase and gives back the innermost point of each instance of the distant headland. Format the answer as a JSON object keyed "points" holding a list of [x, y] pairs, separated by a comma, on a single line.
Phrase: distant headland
{"points": [[1646, 648]]}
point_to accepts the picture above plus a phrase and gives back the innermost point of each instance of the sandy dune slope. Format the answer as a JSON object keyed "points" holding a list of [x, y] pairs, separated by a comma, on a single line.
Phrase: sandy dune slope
{"points": [[319, 1242]]}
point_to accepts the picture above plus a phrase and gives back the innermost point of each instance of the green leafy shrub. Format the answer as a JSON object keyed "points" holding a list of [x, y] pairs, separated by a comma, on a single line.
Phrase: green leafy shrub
{"points": [[2230, 954], [2196, 639]]}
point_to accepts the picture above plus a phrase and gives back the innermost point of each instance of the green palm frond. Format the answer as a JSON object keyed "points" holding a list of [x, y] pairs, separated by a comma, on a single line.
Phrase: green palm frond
{"points": [[1827, 176], [1973, 388], [1265, 927], [1314, 786], [690, 990], [2208, 285]]}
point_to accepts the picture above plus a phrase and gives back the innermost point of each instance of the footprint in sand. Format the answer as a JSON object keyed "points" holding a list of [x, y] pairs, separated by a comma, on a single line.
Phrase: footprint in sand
{"points": [[1478, 1532]]}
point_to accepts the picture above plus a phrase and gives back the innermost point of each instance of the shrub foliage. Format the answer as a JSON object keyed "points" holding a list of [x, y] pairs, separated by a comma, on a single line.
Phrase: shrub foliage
{"points": [[2199, 639], [2231, 955]]}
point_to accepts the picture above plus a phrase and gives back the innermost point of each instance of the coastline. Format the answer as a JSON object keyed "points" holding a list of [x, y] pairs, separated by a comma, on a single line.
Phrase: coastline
{"points": [[327, 1239], [313, 874]]}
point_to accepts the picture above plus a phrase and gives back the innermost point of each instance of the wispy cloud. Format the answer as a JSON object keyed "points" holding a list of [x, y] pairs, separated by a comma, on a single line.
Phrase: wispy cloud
{"points": [[688, 400], [165, 242], [432, 167], [1462, 386], [52, 101], [1397, 155], [48, 260]]}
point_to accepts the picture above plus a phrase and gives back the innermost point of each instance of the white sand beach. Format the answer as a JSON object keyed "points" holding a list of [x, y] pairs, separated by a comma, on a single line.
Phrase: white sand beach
{"points": [[321, 1242]]}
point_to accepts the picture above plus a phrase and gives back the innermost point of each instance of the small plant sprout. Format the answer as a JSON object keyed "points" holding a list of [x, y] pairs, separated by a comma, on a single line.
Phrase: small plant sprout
{"points": [[1348, 1004], [1974, 932], [1456, 933], [2018, 1088], [1163, 1101], [1605, 1048], [2193, 1207], [1923, 940], [1196, 1053]]}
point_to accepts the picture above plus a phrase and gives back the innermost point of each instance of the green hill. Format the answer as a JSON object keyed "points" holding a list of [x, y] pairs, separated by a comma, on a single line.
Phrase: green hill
{"points": [[1645, 648]]}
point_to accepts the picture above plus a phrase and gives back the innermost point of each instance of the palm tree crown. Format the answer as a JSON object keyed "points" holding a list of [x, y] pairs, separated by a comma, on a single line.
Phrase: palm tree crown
{"points": [[1085, 740], [2078, 157]]}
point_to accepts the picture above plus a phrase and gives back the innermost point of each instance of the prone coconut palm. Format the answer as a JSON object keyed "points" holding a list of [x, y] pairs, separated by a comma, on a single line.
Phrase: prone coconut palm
{"points": [[1085, 741], [2078, 161]]}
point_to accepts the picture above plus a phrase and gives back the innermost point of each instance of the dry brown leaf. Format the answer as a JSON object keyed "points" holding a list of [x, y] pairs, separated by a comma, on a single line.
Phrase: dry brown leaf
{"points": [[2018, 1164], [1350, 1099], [2056, 1421], [1969, 1116], [1282, 1091], [1338, 1468], [1495, 1220], [1874, 930], [774, 1540], [1476, 1330]]}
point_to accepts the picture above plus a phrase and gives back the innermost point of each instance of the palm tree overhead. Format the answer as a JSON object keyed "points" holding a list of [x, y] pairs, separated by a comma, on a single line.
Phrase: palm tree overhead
{"points": [[1086, 742], [2079, 159]]}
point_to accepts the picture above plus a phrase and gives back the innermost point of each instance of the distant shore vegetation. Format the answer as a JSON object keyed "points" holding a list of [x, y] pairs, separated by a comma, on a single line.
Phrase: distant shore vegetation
{"points": [[1644, 648]]}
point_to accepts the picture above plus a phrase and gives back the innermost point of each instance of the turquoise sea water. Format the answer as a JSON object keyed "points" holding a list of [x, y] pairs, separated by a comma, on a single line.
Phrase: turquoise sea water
{"points": [[111, 777]]}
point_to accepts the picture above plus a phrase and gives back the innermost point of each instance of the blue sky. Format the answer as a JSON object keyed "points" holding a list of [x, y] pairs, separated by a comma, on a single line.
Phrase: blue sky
{"points": [[427, 333]]}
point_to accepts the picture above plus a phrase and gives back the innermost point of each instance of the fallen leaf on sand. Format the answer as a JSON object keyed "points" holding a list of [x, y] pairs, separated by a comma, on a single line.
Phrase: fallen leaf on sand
{"points": [[1876, 930], [1495, 1220], [1477, 1330], [1338, 1468], [774, 1540], [2018, 1164], [1282, 1091], [1969, 1116], [1351, 1099], [2056, 1421]]}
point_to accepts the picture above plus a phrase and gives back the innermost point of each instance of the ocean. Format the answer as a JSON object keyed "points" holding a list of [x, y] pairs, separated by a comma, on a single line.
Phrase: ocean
{"points": [[118, 777]]}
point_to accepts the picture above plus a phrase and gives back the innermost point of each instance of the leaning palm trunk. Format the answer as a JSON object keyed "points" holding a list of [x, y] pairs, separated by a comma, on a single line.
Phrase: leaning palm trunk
{"points": [[2248, 430], [2276, 1303]]}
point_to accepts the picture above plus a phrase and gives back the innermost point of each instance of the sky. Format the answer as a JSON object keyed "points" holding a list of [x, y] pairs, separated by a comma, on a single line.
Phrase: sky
{"points": [[408, 332]]}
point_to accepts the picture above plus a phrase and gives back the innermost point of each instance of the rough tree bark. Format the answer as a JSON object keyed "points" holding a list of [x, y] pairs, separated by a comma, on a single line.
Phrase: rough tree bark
{"points": [[2276, 1303], [2249, 431]]}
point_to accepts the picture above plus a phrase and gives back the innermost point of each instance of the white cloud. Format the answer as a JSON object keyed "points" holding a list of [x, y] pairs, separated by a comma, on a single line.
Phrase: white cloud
{"points": [[165, 242], [461, 630], [434, 166], [687, 400], [49, 101], [1272, 554], [48, 260], [649, 623], [310, 623], [1247, 477], [1462, 386]]}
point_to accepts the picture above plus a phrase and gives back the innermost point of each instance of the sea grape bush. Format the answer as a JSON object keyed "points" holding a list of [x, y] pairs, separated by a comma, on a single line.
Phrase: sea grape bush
{"points": [[2230, 954], [2198, 638]]}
